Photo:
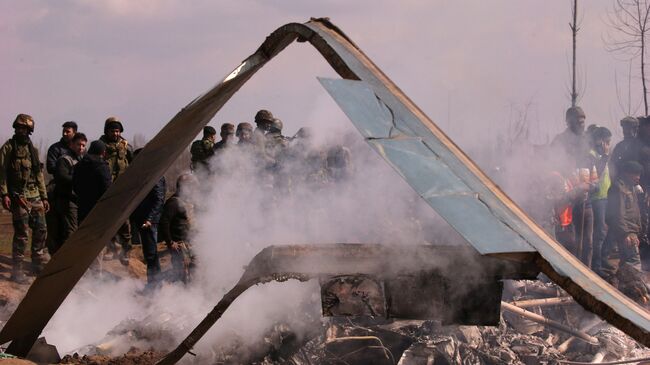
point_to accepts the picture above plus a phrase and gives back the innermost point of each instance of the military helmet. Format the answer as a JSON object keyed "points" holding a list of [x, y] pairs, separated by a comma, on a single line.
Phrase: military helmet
{"points": [[24, 120], [629, 121], [276, 126], [243, 127], [227, 128], [112, 123], [263, 116]]}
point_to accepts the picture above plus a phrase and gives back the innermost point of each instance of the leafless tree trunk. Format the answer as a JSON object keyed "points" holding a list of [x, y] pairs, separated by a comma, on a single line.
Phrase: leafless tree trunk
{"points": [[629, 21], [574, 32]]}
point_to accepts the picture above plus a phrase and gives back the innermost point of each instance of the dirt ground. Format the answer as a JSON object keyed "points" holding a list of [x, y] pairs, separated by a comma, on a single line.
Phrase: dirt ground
{"points": [[12, 293]]}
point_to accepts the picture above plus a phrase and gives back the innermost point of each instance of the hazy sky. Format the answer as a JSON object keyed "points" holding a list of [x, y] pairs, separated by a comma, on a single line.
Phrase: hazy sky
{"points": [[467, 64]]}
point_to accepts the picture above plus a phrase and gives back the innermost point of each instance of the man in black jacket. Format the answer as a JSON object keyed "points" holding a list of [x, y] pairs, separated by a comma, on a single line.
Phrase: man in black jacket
{"points": [[144, 223], [91, 178], [61, 147], [176, 228], [56, 150], [65, 206]]}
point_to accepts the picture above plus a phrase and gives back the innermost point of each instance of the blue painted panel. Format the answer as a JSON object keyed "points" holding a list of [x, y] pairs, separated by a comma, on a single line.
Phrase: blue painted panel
{"points": [[359, 103]]}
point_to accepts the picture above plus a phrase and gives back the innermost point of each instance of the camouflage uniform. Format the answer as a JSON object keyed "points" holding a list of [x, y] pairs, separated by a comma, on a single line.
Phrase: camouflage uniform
{"points": [[119, 155], [21, 178], [201, 151]]}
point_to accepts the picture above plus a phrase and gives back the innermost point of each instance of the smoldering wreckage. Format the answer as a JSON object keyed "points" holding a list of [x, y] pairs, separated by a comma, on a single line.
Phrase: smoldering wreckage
{"points": [[525, 300]]}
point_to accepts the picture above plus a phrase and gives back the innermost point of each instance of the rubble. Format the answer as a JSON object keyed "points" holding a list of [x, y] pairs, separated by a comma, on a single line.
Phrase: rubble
{"points": [[368, 340]]}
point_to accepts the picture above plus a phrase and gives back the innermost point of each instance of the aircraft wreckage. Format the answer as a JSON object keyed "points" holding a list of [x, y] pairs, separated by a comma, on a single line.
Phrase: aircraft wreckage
{"points": [[507, 242]]}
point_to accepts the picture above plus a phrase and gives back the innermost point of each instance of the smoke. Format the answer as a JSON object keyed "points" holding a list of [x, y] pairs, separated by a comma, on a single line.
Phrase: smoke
{"points": [[330, 189]]}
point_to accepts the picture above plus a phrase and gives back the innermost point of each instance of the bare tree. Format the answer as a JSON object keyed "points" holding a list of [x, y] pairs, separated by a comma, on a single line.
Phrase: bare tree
{"points": [[629, 20], [574, 32]]}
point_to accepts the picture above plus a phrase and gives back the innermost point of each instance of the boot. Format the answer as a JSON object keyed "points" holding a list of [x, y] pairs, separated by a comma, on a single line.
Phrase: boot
{"points": [[124, 257], [17, 274], [36, 268]]}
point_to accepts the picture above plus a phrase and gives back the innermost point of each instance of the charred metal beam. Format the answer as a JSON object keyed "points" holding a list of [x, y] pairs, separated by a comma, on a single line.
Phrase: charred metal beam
{"points": [[549, 322]]}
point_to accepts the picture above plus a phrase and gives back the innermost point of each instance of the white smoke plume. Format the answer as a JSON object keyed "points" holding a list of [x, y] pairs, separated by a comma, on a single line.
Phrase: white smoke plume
{"points": [[241, 209]]}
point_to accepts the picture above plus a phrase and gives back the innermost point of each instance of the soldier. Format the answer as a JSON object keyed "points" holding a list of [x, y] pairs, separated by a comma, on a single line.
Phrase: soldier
{"points": [[275, 141], [176, 225], [227, 135], [244, 133], [91, 178], [339, 163], [621, 264], [22, 187], [626, 150], [60, 148], [263, 121], [601, 141], [66, 200], [202, 150], [119, 155], [145, 219]]}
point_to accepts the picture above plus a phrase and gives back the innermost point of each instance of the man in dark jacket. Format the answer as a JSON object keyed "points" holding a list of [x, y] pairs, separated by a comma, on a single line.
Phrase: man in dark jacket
{"points": [[61, 147], [176, 228], [144, 222], [627, 149], [65, 206], [621, 265], [91, 178], [56, 150]]}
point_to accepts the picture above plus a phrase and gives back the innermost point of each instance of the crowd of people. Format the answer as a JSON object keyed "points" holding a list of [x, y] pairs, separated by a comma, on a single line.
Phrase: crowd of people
{"points": [[81, 172], [599, 198]]}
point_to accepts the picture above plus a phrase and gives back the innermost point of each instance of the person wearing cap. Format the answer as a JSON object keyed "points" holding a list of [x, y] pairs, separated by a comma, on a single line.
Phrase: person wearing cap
{"points": [[91, 177], [627, 149], [22, 188], [203, 149], [60, 148]]}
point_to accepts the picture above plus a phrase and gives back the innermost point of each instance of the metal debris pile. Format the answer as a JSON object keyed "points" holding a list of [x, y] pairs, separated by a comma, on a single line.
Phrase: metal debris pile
{"points": [[365, 340]]}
